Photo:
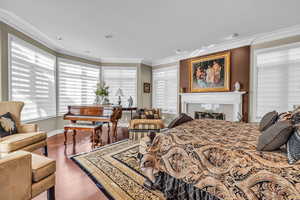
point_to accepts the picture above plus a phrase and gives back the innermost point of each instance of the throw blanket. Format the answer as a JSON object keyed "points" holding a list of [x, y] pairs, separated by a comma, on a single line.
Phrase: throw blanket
{"points": [[221, 157]]}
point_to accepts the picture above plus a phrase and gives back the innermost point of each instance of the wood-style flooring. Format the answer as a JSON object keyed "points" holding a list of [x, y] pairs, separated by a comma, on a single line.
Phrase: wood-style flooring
{"points": [[71, 182]]}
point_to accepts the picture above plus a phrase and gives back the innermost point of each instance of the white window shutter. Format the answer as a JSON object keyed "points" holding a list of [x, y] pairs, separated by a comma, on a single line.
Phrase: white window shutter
{"points": [[121, 77], [278, 79], [32, 79], [165, 89], [77, 83]]}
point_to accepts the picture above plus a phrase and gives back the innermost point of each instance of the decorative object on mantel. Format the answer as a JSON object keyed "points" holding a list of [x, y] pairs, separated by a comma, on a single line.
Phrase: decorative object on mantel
{"points": [[130, 101], [120, 94], [237, 86], [147, 87], [210, 73], [101, 94]]}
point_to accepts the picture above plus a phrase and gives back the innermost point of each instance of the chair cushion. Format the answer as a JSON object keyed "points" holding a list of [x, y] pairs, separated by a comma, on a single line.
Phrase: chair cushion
{"points": [[18, 141], [7, 125], [41, 167]]}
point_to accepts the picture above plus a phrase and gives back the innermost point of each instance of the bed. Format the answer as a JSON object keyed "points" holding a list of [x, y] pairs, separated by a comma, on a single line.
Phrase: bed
{"points": [[220, 157]]}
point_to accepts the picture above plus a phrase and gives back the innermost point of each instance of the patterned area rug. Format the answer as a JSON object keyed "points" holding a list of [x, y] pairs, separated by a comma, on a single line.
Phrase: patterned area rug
{"points": [[115, 170]]}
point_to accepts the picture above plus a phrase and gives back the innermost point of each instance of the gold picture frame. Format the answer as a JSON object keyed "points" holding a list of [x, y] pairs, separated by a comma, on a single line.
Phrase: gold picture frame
{"points": [[210, 73]]}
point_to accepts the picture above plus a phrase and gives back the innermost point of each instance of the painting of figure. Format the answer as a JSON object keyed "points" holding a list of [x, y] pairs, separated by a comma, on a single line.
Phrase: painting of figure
{"points": [[210, 73]]}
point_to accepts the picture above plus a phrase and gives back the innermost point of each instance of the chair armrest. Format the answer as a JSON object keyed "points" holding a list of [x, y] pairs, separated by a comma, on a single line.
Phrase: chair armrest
{"points": [[27, 128], [15, 176]]}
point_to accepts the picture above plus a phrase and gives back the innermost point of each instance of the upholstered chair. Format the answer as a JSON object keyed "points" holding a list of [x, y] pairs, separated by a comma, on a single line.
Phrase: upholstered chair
{"points": [[24, 175], [140, 125], [28, 137]]}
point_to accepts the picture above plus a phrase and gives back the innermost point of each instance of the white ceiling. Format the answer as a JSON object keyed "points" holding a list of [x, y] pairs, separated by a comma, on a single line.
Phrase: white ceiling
{"points": [[150, 29]]}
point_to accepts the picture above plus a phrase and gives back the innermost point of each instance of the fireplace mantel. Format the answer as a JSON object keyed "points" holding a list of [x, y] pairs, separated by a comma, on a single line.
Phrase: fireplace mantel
{"points": [[231, 98]]}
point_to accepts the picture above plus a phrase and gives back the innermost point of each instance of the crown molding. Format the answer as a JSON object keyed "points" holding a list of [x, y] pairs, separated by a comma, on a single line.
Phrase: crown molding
{"points": [[121, 60], [28, 29], [276, 35], [250, 40], [69, 53], [23, 26]]}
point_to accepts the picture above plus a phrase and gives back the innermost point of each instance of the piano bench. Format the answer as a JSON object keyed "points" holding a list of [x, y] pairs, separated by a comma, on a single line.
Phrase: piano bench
{"points": [[95, 129]]}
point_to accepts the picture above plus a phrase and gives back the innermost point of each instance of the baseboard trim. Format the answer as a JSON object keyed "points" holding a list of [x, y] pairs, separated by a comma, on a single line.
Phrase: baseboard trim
{"points": [[55, 132]]}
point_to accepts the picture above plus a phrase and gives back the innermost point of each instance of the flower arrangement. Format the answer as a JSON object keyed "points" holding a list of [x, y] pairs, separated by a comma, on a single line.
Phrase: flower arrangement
{"points": [[102, 90], [101, 94]]}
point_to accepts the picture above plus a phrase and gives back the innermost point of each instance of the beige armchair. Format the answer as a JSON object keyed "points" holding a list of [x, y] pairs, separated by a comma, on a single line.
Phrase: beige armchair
{"points": [[140, 126], [27, 138], [25, 175]]}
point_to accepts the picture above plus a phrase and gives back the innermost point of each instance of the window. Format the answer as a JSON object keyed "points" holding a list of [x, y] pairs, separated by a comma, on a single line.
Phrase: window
{"points": [[121, 77], [165, 89], [32, 79], [277, 79], [77, 83]]}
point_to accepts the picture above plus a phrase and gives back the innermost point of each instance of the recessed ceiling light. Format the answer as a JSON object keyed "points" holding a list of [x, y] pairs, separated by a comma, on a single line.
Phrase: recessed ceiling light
{"points": [[232, 36], [108, 36], [178, 51], [58, 37]]}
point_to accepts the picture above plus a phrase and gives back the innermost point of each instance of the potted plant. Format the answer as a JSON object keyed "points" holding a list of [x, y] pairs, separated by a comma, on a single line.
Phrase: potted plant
{"points": [[101, 93]]}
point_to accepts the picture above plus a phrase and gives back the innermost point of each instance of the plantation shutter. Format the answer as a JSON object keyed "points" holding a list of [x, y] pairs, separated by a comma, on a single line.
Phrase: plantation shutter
{"points": [[77, 83], [165, 89], [124, 78], [32, 79], [278, 79]]}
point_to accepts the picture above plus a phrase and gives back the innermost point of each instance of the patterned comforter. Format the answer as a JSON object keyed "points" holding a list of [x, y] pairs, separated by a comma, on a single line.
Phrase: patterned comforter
{"points": [[221, 158]]}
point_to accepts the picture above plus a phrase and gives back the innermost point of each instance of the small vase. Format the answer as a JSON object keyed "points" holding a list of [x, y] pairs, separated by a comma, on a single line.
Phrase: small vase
{"points": [[98, 99]]}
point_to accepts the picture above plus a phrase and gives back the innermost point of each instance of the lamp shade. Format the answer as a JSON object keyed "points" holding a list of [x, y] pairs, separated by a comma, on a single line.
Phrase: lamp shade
{"points": [[119, 92]]}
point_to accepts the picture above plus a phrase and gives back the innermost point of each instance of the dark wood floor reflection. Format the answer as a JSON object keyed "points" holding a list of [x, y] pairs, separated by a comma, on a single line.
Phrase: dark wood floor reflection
{"points": [[71, 182]]}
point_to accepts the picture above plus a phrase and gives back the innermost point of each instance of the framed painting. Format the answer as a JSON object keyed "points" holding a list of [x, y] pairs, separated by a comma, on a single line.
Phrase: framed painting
{"points": [[147, 87], [210, 73]]}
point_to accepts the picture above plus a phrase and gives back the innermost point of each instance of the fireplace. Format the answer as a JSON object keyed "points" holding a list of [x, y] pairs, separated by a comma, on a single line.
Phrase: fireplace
{"points": [[228, 103]]}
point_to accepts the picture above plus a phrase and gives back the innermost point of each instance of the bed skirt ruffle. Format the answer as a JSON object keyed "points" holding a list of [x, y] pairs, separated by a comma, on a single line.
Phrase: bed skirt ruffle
{"points": [[175, 189]]}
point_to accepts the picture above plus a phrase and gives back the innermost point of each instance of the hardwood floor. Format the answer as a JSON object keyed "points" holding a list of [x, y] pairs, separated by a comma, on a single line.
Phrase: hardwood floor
{"points": [[71, 182]]}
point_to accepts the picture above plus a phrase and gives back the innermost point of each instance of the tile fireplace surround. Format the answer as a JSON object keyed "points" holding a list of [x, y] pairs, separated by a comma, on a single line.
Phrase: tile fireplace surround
{"points": [[230, 103]]}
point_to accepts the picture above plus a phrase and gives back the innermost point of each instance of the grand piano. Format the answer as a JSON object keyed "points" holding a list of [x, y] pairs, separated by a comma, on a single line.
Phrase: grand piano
{"points": [[96, 115]]}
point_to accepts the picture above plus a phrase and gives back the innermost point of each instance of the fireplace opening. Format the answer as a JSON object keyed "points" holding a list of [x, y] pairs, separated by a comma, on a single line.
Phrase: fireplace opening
{"points": [[209, 115]]}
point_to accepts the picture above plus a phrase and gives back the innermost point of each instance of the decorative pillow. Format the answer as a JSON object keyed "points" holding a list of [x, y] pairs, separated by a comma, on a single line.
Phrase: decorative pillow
{"points": [[268, 120], [147, 114], [295, 116], [182, 118], [285, 116], [275, 136], [7, 125], [293, 147]]}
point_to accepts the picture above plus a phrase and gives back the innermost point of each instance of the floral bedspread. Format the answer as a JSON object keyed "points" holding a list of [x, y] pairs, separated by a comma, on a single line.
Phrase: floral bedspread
{"points": [[221, 157]]}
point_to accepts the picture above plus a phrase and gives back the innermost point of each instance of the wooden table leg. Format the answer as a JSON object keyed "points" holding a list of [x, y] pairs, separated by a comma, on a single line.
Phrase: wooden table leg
{"points": [[108, 133], [65, 133], [115, 126], [100, 136], [74, 135], [93, 142]]}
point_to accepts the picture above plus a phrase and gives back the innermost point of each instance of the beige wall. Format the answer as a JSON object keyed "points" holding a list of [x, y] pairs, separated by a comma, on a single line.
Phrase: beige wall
{"points": [[145, 76], [55, 123]]}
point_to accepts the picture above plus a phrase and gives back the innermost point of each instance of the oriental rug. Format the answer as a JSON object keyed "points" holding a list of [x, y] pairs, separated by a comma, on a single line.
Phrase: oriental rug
{"points": [[115, 170]]}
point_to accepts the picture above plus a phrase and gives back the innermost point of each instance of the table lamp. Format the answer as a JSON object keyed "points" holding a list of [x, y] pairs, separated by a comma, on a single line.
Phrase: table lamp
{"points": [[120, 94]]}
